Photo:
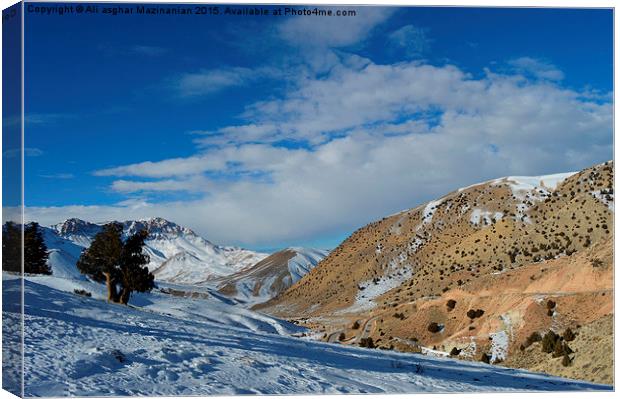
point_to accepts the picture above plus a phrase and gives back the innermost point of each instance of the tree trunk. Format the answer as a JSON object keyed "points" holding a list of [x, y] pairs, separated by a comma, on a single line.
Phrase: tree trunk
{"points": [[125, 294], [112, 294]]}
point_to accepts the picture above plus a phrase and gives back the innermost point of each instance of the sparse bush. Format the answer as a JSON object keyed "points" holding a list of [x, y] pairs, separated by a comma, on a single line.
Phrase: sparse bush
{"points": [[596, 262], [568, 335], [341, 337], [534, 337], [566, 361], [82, 292], [355, 325], [367, 343], [433, 327], [550, 304], [485, 358], [118, 355], [451, 304], [561, 349], [455, 352], [548, 341], [400, 316], [550, 312], [473, 314]]}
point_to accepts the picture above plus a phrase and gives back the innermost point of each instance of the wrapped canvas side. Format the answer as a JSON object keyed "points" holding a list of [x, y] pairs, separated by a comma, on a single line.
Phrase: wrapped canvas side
{"points": [[12, 201]]}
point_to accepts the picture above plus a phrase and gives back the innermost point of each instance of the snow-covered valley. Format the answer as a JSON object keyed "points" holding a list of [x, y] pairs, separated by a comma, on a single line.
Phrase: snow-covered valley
{"points": [[168, 345], [194, 334]]}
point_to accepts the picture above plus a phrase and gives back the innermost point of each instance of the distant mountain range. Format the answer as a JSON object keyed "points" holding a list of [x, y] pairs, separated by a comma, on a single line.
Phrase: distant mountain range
{"points": [[178, 255]]}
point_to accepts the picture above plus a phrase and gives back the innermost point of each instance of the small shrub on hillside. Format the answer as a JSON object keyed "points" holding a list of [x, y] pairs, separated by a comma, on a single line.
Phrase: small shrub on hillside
{"points": [[433, 327], [597, 262], [451, 304], [485, 358], [341, 337], [548, 341], [561, 349], [118, 355], [355, 325], [367, 343], [82, 292], [550, 312], [473, 314], [568, 335], [550, 304], [534, 337], [455, 352], [566, 360]]}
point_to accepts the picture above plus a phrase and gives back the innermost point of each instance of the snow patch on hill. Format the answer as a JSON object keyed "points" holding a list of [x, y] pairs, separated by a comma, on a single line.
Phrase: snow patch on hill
{"points": [[304, 261], [369, 290], [606, 198], [486, 217]]}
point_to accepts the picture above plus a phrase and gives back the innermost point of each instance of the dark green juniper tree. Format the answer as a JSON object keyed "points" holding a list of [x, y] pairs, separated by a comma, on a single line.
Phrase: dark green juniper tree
{"points": [[11, 247], [101, 260], [134, 276], [35, 250], [120, 265]]}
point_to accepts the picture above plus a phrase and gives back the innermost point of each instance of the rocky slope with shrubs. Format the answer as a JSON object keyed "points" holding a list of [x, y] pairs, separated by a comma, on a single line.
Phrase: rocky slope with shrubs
{"points": [[475, 274]]}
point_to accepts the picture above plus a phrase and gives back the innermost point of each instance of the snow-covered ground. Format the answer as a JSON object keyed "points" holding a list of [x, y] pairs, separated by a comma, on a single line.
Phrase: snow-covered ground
{"points": [[167, 345]]}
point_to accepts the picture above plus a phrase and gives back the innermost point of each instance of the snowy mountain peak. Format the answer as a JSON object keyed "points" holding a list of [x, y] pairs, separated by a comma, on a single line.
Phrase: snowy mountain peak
{"points": [[156, 227], [76, 226], [176, 253]]}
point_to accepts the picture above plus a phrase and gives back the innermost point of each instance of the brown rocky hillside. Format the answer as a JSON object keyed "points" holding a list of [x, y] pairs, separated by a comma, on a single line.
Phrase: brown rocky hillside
{"points": [[508, 248]]}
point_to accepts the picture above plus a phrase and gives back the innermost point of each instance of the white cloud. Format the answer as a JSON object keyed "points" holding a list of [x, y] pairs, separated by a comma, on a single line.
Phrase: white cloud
{"points": [[28, 152], [389, 138], [316, 45], [537, 68], [209, 81], [412, 39], [169, 167], [62, 176], [192, 184], [333, 31]]}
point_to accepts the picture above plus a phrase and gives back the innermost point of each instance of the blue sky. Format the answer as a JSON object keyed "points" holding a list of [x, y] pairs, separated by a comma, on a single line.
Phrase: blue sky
{"points": [[275, 131]]}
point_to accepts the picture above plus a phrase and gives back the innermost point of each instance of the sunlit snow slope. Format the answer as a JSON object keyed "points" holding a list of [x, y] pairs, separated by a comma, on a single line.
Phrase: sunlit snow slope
{"points": [[271, 276], [77, 346]]}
